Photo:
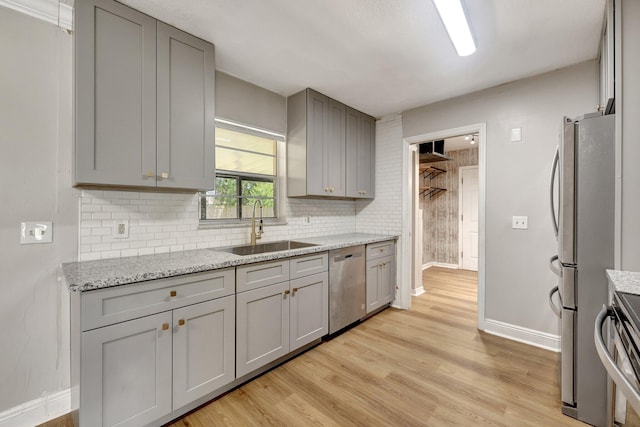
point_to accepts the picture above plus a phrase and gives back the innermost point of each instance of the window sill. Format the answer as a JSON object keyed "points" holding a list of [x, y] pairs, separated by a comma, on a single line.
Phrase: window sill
{"points": [[213, 224]]}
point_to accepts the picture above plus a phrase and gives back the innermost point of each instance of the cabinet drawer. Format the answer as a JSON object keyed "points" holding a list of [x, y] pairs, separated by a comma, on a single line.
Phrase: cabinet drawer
{"points": [[379, 250], [308, 264], [255, 276], [112, 305]]}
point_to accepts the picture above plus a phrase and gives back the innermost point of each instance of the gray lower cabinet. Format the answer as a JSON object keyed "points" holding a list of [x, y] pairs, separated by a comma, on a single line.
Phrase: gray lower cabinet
{"points": [[148, 349], [140, 370], [144, 101], [380, 275], [125, 376], [262, 325], [203, 349], [278, 318], [308, 310], [328, 153]]}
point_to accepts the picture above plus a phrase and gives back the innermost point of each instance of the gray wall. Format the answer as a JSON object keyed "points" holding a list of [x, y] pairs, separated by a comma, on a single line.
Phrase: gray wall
{"points": [[440, 213], [628, 100], [518, 279], [35, 171], [247, 103]]}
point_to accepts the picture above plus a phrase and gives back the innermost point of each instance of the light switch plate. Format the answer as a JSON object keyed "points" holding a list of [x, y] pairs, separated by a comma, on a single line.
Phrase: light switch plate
{"points": [[520, 222], [516, 135], [36, 232]]}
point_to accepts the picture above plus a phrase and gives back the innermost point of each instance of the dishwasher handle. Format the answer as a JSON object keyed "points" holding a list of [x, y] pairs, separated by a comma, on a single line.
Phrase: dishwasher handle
{"points": [[343, 257]]}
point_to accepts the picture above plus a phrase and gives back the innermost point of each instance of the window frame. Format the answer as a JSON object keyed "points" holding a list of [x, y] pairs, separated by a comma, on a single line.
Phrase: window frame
{"points": [[241, 176]]}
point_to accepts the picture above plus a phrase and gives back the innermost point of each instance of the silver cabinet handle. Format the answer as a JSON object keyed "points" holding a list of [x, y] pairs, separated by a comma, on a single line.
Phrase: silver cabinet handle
{"points": [[556, 310], [629, 391]]}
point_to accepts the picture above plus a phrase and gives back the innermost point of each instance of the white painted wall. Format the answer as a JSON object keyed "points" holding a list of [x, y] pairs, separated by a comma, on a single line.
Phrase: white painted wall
{"points": [[628, 107], [35, 171], [517, 275]]}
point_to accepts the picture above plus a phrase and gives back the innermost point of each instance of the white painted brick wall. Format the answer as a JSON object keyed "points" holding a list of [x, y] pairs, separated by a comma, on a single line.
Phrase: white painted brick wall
{"points": [[383, 215], [166, 222]]}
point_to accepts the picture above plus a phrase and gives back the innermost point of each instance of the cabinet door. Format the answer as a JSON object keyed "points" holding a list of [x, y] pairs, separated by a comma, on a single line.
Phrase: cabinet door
{"points": [[317, 106], [352, 134], [125, 377], [373, 285], [203, 349], [334, 149], [309, 309], [366, 157], [262, 329], [115, 95], [185, 110], [386, 280], [360, 143]]}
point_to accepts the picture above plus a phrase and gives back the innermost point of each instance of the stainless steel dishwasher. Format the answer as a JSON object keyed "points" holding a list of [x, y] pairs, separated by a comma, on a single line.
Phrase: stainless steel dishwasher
{"points": [[347, 287]]}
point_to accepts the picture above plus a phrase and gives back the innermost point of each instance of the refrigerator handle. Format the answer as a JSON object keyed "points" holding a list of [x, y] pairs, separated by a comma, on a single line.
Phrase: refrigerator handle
{"points": [[556, 270], [554, 308], [554, 168]]}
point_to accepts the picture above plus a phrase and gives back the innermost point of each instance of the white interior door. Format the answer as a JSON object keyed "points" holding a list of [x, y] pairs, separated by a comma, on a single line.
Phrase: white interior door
{"points": [[469, 217]]}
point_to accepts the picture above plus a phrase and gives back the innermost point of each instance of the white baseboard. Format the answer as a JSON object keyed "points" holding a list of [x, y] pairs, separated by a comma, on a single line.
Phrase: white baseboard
{"points": [[440, 264], [37, 411], [524, 335], [417, 291]]}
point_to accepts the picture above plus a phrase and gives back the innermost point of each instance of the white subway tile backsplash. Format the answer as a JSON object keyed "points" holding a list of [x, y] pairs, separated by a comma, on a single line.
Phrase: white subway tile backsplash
{"points": [[163, 222]]}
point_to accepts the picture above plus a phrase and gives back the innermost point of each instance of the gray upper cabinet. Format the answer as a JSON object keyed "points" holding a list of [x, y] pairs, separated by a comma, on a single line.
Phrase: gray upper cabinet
{"points": [[318, 139], [144, 101], [360, 158], [185, 110]]}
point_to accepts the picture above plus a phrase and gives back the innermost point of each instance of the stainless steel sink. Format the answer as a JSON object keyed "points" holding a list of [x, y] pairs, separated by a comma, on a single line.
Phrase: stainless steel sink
{"points": [[282, 245]]}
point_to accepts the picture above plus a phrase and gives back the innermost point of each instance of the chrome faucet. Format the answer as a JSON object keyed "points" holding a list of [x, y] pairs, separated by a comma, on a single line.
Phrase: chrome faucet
{"points": [[256, 235]]}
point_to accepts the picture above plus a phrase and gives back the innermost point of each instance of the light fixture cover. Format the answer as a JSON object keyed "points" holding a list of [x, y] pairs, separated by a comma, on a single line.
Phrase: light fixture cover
{"points": [[455, 21]]}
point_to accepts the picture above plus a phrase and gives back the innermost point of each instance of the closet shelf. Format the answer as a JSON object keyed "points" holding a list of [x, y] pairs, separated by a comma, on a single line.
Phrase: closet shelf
{"points": [[431, 191], [429, 173]]}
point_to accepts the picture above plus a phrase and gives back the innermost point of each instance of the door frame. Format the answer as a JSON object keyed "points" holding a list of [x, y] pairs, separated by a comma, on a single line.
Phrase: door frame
{"points": [[460, 169], [406, 249]]}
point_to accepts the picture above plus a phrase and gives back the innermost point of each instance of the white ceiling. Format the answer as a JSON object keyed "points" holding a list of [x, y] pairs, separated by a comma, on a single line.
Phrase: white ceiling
{"points": [[385, 56]]}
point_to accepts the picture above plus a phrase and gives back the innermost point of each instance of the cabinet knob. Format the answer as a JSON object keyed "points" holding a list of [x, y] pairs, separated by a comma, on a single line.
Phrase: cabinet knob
{"points": [[173, 294], [164, 175], [181, 322], [287, 292], [149, 174], [165, 326], [295, 290], [326, 189], [331, 189]]}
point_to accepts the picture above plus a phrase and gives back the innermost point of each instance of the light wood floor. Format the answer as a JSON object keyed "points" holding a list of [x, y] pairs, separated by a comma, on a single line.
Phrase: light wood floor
{"points": [[428, 366]]}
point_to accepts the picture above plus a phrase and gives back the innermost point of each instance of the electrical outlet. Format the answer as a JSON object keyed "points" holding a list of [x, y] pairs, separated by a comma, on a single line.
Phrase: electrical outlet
{"points": [[121, 229], [36, 232], [306, 220], [520, 222]]}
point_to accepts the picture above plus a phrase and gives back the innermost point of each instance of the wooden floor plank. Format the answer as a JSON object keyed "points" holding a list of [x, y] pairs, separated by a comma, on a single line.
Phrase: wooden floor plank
{"points": [[427, 366]]}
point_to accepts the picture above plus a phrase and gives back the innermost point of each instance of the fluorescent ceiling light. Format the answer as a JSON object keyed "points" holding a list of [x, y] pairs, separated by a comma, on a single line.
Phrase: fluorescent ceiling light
{"points": [[455, 22]]}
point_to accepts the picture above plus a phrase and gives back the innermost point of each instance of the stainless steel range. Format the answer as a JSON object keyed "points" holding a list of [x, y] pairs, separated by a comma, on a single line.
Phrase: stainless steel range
{"points": [[621, 357]]}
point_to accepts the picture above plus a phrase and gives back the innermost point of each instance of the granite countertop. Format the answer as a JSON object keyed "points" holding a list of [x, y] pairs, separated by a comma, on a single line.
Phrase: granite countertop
{"points": [[625, 281], [88, 275]]}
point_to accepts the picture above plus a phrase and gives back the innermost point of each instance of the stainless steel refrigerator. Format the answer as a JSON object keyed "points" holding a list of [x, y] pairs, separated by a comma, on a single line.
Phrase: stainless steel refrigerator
{"points": [[582, 207]]}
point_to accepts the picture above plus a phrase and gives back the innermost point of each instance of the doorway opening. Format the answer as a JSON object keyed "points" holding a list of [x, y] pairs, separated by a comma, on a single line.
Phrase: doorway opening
{"points": [[444, 226]]}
